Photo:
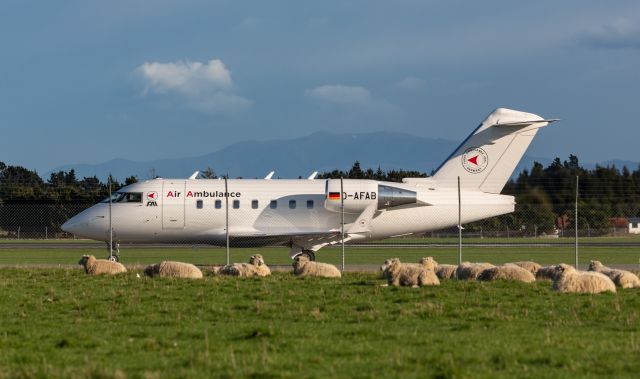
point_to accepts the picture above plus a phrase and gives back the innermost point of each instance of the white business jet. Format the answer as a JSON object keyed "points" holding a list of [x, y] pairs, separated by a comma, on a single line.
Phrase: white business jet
{"points": [[307, 214]]}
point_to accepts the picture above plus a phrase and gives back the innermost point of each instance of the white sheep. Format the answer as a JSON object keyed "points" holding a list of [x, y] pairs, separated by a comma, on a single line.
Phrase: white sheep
{"points": [[93, 266], [169, 269], [568, 279], [255, 267], [621, 278], [429, 263], [470, 271], [302, 266], [530, 266], [399, 274], [507, 272], [444, 271], [546, 273]]}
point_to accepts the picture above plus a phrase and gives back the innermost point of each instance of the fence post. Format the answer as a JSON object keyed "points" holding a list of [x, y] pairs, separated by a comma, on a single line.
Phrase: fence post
{"points": [[18, 232], [226, 202], [342, 215], [576, 219], [46, 232], [459, 224], [110, 221]]}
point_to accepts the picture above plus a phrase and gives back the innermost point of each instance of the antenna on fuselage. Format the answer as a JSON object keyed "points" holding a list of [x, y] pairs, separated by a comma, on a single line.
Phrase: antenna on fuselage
{"points": [[194, 175], [269, 175], [313, 175]]}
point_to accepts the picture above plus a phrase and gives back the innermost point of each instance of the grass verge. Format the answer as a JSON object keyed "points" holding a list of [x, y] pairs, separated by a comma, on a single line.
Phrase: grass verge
{"points": [[61, 323]]}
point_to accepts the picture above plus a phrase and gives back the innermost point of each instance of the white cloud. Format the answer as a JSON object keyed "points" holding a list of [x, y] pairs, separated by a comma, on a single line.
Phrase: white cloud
{"points": [[618, 34], [206, 87], [341, 94], [410, 84]]}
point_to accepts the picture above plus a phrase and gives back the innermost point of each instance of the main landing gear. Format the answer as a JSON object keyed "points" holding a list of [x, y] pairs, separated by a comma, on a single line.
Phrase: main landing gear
{"points": [[299, 251], [114, 252], [309, 254]]}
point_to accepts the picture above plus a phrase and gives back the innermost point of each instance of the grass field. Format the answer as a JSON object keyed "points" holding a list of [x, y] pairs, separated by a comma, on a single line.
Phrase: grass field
{"points": [[61, 323], [628, 255]]}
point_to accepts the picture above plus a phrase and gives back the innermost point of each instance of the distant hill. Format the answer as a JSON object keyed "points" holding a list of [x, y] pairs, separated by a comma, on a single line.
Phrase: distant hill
{"points": [[291, 158]]}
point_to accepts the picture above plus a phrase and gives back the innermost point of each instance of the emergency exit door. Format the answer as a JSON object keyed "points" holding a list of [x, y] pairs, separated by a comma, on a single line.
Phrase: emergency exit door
{"points": [[173, 194]]}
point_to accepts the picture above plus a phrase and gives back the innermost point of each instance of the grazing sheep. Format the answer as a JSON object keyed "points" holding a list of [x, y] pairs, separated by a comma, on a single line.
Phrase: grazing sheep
{"points": [[568, 279], [446, 271], [621, 278], [93, 266], [169, 269], [255, 267], [261, 269], [302, 266], [546, 273], [429, 263], [399, 274], [507, 272], [532, 267], [470, 271], [387, 262]]}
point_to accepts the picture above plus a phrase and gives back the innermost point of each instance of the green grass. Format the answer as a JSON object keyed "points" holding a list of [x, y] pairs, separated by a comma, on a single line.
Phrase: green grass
{"points": [[211, 255], [61, 323]]}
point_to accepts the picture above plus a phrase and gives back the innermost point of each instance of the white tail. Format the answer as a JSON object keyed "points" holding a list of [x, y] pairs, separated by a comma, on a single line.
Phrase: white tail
{"points": [[486, 159]]}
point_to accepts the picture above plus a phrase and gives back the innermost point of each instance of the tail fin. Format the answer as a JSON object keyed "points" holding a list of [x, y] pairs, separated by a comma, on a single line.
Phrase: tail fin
{"points": [[487, 158]]}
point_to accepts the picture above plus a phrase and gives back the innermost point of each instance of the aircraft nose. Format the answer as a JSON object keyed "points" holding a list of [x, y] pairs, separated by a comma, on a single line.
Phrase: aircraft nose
{"points": [[72, 225]]}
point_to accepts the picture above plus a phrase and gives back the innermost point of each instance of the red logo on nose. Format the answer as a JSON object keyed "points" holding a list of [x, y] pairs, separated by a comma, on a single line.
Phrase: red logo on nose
{"points": [[474, 160], [152, 195]]}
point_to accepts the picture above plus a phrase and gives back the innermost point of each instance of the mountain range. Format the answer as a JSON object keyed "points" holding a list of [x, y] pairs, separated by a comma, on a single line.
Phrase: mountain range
{"points": [[299, 157]]}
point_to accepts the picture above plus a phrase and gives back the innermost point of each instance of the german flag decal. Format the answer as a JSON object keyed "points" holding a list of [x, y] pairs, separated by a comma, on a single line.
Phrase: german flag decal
{"points": [[334, 196]]}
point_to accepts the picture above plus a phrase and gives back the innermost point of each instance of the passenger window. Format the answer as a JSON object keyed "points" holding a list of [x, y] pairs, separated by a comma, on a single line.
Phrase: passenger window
{"points": [[199, 204], [254, 204], [309, 204], [236, 204], [273, 204], [218, 204], [292, 204]]}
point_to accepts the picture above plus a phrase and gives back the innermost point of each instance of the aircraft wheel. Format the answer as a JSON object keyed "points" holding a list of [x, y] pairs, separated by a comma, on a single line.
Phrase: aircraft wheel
{"points": [[113, 258], [309, 254]]}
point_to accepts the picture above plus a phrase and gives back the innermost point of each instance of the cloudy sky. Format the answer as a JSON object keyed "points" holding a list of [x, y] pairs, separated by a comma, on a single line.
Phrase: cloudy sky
{"points": [[87, 81]]}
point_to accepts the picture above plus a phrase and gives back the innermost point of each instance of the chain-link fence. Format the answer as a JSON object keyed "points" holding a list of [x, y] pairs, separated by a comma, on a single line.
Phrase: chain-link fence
{"points": [[197, 229]]}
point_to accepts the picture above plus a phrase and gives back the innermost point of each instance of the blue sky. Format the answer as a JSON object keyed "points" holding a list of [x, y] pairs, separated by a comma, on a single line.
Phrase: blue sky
{"points": [[88, 81]]}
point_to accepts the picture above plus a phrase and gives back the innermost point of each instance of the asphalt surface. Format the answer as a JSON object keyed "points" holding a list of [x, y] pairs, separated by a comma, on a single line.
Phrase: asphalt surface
{"points": [[98, 245]]}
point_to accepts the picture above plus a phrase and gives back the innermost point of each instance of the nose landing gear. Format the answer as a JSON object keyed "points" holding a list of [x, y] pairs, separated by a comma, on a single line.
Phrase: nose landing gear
{"points": [[113, 252]]}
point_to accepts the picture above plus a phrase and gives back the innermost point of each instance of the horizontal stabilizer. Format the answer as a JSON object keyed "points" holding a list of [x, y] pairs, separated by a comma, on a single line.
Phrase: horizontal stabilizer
{"points": [[525, 123]]}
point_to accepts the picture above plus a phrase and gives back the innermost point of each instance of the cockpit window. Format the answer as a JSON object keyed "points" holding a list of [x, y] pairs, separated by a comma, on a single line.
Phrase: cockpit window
{"points": [[125, 197]]}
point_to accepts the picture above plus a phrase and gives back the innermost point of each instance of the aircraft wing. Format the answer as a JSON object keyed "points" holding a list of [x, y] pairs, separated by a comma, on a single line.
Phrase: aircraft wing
{"points": [[256, 238]]}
